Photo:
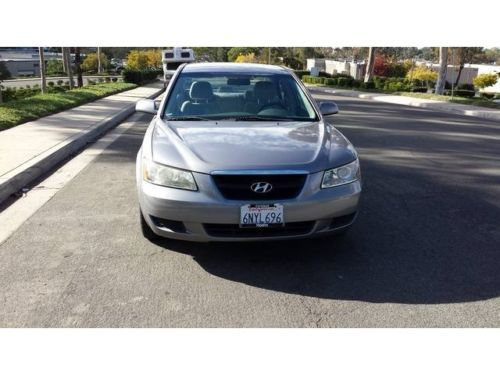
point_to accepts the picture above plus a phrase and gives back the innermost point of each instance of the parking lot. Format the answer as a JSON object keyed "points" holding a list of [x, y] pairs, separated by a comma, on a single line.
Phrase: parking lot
{"points": [[424, 252]]}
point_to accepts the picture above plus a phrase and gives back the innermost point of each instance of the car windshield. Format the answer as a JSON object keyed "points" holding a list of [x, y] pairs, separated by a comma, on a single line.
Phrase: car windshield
{"points": [[238, 97]]}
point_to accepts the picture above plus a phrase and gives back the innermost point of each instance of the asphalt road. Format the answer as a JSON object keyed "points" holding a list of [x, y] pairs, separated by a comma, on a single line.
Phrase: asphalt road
{"points": [[425, 251], [36, 81]]}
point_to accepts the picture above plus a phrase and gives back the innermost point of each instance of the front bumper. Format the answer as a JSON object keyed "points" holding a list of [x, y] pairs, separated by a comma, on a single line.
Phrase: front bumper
{"points": [[205, 215]]}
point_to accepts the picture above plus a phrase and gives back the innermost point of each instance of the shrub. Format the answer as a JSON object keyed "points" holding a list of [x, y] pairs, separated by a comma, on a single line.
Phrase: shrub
{"points": [[370, 85], [139, 60], [345, 82], [324, 74], [51, 84], [356, 83], [107, 79], [418, 89], [60, 82], [301, 73], [464, 93], [379, 82], [114, 79], [331, 81], [100, 79], [466, 86], [422, 73], [90, 62], [487, 95], [396, 84], [140, 76], [485, 80]]}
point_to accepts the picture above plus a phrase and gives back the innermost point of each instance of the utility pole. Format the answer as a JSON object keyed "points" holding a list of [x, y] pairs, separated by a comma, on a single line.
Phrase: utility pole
{"points": [[43, 82]]}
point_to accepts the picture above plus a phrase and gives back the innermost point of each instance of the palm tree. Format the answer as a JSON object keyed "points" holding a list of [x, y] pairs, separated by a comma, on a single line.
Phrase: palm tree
{"points": [[43, 81], [443, 67]]}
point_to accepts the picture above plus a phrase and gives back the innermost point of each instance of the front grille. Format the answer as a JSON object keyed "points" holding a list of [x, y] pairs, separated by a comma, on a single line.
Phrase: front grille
{"points": [[237, 187], [234, 230]]}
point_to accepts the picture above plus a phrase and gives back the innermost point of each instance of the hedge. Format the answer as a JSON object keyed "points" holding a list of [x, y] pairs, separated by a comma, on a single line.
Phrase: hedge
{"points": [[140, 76]]}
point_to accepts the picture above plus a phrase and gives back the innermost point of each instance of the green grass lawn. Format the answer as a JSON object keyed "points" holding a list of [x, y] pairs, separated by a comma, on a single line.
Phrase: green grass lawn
{"points": [[480, 102], [19, 111]]}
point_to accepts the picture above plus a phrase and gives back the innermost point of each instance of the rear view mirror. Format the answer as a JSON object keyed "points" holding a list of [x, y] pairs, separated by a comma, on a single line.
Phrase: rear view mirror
{"points": [[146, 105], [328, 108]]}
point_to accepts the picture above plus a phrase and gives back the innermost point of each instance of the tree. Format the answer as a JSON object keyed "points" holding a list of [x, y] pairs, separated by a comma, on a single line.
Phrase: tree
{"points": [[78, 66], [55, 67], [485, 80], [99, 60], [90, 63], [250, 58], [43, 81], [370, 64], [4, 74], [443, 68], [144, 59], [234, 52], [69, 70], [466, 55]]}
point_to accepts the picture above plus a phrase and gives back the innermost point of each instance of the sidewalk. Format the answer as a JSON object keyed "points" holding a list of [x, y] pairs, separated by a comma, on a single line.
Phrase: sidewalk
{"points": [[459, 109], [29, 150]]}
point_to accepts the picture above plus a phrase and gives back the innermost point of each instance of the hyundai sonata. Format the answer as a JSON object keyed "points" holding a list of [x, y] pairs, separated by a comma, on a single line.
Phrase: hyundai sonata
{"points": [[243, 152]]}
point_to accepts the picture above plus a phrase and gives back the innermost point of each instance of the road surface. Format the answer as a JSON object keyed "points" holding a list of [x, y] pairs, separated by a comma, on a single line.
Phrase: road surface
{"points": [[425, 251]]}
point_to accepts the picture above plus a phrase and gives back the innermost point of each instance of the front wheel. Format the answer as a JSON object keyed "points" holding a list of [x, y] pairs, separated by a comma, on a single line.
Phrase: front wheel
{"points": [[147, 232]]}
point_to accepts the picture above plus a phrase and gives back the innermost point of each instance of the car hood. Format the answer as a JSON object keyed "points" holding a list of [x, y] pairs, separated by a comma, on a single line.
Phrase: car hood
{"points": [[206, 146]]}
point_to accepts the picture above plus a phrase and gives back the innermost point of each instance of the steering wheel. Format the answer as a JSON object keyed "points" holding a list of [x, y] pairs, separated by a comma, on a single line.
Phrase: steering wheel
{"points": [[272, 105]]}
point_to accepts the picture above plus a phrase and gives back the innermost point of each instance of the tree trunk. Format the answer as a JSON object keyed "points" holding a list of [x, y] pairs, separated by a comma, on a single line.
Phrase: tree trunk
{"points": [[64, 61], [370, 64], [79, 78], [443, 67], [43, 81], [70, 70], [460, 68], [99, 65]]}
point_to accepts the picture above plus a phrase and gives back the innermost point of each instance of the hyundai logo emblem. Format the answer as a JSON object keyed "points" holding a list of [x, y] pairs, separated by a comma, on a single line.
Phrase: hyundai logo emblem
{"points": [[261, 187]]}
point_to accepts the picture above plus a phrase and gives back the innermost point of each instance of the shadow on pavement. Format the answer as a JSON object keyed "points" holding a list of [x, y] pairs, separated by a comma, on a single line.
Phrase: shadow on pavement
{"points": [[429, 227]]}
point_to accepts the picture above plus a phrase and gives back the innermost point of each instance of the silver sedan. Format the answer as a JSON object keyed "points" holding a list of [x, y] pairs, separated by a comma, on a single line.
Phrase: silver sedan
{"points": [[241, 152]]}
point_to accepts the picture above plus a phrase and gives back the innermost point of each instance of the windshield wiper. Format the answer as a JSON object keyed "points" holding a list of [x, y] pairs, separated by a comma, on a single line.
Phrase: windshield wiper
{"points": [[253, 118], [267, 118], [188, 118]]}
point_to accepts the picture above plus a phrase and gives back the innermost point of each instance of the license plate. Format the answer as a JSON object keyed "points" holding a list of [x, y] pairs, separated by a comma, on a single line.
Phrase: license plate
{"points": [[261, 215]]}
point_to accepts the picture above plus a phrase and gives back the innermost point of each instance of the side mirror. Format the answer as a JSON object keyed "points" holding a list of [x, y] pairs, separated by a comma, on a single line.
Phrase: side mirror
{"points": [[328, 108], [146, 105]]}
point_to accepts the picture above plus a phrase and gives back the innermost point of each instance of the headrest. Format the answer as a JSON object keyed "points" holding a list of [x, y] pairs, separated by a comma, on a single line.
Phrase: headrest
{"points": [[201, 90], [264, 90]]}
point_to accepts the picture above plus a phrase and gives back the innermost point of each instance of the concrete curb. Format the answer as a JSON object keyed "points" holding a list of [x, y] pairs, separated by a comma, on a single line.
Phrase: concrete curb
{"points": [[29, 172], [457, 109]]}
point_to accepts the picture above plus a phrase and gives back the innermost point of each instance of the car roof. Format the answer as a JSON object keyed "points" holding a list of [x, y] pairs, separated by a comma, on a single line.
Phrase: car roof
{"points": [[207, 67]]}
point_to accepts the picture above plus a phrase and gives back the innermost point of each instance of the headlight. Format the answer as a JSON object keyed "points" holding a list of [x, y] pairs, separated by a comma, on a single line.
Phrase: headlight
{"points": [[341, 175], [167, 176]]}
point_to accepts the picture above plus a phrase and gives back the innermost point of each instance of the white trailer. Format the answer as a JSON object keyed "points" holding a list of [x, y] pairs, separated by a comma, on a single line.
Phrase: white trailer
{"points": [[173, 58]]}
